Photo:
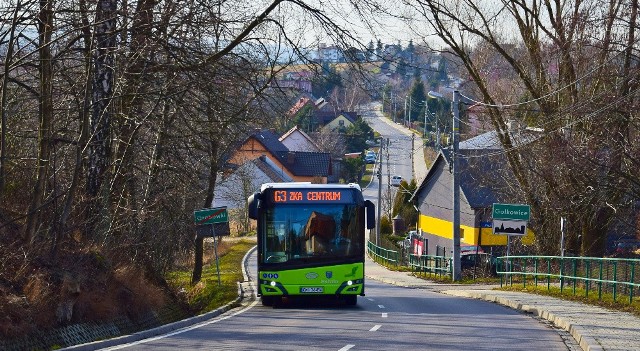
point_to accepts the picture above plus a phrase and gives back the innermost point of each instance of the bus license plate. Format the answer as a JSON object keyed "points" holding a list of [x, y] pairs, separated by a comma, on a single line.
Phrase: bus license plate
{"points": [[311, 290]]}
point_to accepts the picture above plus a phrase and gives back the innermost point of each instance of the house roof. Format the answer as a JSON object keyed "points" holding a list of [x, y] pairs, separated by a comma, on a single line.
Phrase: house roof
{"points": [[485, 175], [297, 162], [299, 104], [491, 141], [350, 115], [307, 164], [299, 131], [270, 141], [271, 169]]}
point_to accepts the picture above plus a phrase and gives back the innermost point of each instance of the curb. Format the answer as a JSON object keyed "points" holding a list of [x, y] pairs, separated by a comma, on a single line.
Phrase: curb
{"points": [[586, 342], [163, 329]]}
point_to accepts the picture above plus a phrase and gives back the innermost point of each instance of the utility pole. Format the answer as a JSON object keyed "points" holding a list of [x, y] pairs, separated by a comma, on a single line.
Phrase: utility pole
{"points": [[424, 130], [410, 110], [395, 105], [405, 111], [456, 188], [437, 134]]}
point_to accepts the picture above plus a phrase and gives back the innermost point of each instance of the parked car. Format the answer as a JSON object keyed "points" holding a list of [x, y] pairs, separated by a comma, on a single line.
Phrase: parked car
{"points": [[627, 246], [482, 262], [370, 159], [395, 180], [470, 249]]}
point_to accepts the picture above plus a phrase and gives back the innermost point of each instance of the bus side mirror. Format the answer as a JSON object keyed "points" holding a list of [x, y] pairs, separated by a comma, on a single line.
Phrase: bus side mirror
{"points": [[253, 203], [371, 214]]}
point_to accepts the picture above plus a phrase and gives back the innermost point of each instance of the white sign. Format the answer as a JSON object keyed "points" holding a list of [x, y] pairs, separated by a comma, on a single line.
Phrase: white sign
{"points": [[509, 227]]}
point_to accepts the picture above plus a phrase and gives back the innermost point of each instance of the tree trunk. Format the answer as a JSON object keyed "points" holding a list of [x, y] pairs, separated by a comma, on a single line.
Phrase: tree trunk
{"points": [[99, 156], [213, 175], [3, 102], [61, 223], [45, 29]]}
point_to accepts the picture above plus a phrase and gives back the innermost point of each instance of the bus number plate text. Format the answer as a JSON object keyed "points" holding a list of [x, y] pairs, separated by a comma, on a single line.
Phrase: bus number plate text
{"points": [[311, 290]]}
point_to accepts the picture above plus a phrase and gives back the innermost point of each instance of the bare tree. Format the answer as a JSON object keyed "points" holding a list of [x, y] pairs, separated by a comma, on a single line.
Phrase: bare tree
{"points": [[547, 49]]}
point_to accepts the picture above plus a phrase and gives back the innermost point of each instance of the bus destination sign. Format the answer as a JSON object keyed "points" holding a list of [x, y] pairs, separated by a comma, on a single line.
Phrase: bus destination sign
{"points": [[311, 196]]}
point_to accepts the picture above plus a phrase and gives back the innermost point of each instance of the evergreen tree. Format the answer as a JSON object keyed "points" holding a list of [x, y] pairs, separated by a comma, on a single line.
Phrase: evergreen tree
{"points": [[379, 50], [410, 50], [418, 96], [357, 134], [442, 70], [402, 67], [402, 206]]}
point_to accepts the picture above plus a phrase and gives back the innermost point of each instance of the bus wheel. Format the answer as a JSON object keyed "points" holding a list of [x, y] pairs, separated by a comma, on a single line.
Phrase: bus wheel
{"points": [[351, 300], [268, 300]]}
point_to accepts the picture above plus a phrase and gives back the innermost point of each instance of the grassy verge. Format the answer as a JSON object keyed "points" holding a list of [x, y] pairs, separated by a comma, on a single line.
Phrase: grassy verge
{"points": [[206, 295], [366, 178], [621, 303]]}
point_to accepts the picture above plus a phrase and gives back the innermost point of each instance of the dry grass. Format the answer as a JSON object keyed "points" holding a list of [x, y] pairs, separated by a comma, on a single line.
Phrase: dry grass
{"points": [[81, 285]]}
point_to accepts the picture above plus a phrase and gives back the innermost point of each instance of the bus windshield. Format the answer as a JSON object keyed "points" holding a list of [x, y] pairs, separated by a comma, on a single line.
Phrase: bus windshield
{"points": [[312, 233]]}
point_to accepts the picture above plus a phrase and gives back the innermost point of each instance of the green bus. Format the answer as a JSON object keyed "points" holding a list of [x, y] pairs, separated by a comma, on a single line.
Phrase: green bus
{"points": [[311, 240]]}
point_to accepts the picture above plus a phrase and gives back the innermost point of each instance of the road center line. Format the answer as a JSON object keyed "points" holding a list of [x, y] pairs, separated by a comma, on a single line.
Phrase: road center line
{"points": [[346, 347], [380, 306], [384, 315], [375, 327]]}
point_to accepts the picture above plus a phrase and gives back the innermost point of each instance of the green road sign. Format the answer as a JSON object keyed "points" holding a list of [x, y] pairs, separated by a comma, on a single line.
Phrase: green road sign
{"points": [[511, 212], [211, 215]]}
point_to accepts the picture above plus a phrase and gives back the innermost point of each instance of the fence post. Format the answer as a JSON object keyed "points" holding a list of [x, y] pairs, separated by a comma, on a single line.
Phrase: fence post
{"points": [[631, 280], [561, 274], [548, 273], [523, 270], [600, 281], [574, 263], [535, 271], [588, 281], [615, 279]]}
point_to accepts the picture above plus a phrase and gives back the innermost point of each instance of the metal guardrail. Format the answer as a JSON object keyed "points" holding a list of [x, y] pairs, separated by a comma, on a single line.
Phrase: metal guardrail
{"points": [[438, 265], [613, 276], [382, 255]]}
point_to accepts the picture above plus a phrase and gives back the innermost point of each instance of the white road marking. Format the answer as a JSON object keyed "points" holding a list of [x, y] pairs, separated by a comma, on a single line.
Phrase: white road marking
{"points": [[375, 327], [380, 306], [346, 347], [186, 329], [370, 299], [384, 315]]}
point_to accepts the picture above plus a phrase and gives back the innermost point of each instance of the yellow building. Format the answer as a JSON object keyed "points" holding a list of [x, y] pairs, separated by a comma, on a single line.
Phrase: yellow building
{"points": [[484, 179]]}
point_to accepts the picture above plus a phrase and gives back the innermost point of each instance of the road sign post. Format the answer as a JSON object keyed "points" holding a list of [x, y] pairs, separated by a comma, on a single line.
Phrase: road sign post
{"points": [[510, 219], [211, 215], [206, 219]]}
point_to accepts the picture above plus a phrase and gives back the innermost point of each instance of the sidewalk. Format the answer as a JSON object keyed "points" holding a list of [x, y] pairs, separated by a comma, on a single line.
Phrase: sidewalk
{"points": [[594, 328], [419, 164]]}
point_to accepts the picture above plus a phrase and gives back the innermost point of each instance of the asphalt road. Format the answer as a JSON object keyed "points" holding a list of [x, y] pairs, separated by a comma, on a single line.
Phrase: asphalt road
{"points": [[387, 318]]}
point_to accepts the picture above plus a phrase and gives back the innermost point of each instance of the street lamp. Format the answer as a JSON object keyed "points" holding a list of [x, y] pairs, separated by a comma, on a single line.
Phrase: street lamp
{"points": [[456, 276], [426, 110]]}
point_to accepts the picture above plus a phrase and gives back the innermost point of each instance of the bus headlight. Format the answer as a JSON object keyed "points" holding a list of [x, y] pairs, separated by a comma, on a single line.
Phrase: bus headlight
{"points": [[349, 283], [273, 283]]}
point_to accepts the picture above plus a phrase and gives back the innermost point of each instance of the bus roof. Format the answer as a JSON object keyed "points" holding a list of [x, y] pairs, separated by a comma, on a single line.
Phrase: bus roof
{"points": [[308, 185]]}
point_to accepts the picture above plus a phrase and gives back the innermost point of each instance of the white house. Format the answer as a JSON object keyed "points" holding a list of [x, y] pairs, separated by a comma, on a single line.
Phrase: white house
{"points": [[297, 140], [234, 190]]}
